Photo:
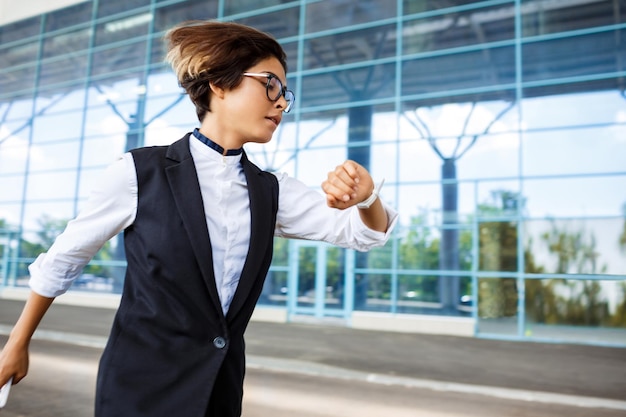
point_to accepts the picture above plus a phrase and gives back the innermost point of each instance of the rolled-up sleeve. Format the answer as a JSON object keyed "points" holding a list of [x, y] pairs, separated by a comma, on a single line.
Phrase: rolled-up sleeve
{"points": [[304, 214], [111, 208]]}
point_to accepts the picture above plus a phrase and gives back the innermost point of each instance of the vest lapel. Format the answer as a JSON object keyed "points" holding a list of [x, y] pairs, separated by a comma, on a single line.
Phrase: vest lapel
{"points": [[183, 181]]}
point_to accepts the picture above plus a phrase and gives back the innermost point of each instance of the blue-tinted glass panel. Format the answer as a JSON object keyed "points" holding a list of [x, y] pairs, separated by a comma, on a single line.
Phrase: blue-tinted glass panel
{"points": [[127, 57], [103, 150], [55, 156], [111, 7], [418, 294], [51, 185], [17, 80], [66, 43], [540, 17], [21, 30], [349, 47], [576, 310], [576, 196], [325, 15], [572, 151], [56, 127], [279, 24], [71, 97], [61, 72], [576, 246], [412, 6], [499, 199], [348, 86], [497, 306], [16, 107], [170, 15], [484, 68], [457, 29], [372, 292], [590, 108], [574, 57], [69, 16], [12, 187], [36, 213], [124, 28], [240, 6]]}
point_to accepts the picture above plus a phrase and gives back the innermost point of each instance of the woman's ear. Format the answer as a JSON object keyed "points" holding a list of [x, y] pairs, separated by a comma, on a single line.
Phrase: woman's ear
{"points": [[217, 91]]}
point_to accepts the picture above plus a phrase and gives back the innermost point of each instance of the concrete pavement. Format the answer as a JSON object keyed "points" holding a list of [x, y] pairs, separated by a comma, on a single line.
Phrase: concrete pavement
{"points": [[586, 376]]}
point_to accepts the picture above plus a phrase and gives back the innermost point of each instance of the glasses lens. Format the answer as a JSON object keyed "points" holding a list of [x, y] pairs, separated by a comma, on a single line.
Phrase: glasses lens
{"points": [[290, 98], [274, 88]]}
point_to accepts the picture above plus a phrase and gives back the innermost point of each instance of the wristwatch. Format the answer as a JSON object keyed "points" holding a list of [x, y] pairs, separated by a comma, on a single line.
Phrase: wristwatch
{"points": [[365, 204]]}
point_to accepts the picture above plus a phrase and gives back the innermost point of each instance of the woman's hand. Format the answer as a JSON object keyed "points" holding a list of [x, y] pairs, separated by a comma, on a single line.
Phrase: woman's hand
{"points": [[347, 185], [13, 362]]}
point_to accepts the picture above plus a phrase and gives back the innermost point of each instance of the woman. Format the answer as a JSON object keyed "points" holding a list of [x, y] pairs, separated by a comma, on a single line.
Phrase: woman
{"points": [[198, 221]]}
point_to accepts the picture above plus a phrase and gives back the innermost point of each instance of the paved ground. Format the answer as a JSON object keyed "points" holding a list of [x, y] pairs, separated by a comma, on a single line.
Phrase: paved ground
{"points": [[552, 373]]}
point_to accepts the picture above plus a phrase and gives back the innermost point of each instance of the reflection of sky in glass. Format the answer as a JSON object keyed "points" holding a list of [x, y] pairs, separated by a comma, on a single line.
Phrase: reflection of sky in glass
{"points": [[561, 135]]}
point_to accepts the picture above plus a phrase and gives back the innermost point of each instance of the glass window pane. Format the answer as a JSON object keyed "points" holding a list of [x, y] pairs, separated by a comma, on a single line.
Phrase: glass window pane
{"points": [[357, 84], [541, 18], [577, 196], [576, 246], [418, 294], [419, 246], [497, 246], [111, 7], [570, 151], [349, 47], [51, 186], [240, 6], [68, 16], [99, 152], [280, 24], [372, 292], [20, 30], [575, 56], [486, 67], [12, 187], [17, 80], [53, 156], [341, 13], [167, 16], [17, 107], [497, 306], [459, 28], [576, 305], [568, 110], [118, 59], [37, 212], [64, 71], [66, 43], [67, 99], [46, 128]]}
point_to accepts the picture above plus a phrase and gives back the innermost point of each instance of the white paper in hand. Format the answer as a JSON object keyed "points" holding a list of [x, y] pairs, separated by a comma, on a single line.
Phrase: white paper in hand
{"points": [[4, 392]]}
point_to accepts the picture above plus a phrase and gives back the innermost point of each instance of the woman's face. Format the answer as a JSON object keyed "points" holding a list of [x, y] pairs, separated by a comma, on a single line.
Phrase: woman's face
{"points": [[246, 110]]}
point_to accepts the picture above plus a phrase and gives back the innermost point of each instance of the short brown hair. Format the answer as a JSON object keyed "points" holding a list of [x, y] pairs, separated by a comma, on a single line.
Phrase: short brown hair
{"points": [[201, 52]]}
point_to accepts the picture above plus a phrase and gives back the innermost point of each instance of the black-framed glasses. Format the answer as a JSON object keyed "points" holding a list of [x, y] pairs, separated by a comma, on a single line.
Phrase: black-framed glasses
{"points": [[274, 88]]}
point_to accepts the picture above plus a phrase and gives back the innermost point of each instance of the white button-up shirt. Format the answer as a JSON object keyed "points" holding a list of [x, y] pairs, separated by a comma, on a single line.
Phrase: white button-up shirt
{"points": [[112, 206]]}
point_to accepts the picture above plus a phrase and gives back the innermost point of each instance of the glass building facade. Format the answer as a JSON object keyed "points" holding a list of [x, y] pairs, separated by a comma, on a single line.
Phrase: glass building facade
{"points": [[499, 127]]}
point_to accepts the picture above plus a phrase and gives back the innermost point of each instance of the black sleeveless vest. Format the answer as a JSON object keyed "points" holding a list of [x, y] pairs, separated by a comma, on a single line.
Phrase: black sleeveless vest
{"points": [[171, 351]]}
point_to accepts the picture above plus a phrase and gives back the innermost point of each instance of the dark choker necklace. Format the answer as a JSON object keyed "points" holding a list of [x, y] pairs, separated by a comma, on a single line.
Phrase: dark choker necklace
{"points": [[208, 142]]}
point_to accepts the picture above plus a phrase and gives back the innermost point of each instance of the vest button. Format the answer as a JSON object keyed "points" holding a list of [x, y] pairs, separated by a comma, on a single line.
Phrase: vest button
{"points": [[219, 342]]}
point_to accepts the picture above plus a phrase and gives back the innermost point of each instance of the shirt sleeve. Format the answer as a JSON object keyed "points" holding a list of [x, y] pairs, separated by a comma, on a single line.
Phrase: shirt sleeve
{"points": [[304, 214], [111, 208]]}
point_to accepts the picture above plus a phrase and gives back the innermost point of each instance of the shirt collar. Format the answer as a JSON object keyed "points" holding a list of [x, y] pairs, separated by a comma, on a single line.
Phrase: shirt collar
{"points": [[208, 142]]}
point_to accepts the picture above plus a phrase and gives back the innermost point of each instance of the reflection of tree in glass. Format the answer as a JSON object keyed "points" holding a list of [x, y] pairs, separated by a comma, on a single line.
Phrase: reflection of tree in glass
{"points": [[569, 301], [49, 229]]}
